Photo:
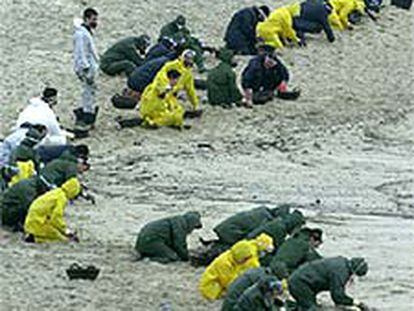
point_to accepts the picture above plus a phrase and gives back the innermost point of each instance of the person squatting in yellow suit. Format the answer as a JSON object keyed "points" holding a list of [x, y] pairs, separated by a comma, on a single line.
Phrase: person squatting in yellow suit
{"points": [[45, 219], [227, 267], [25, 171], [341, 10], [278, 27], [159, 104]]}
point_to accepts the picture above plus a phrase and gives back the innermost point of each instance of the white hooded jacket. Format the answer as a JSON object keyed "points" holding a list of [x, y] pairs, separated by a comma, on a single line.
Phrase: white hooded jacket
{"points": [[85, 55]]}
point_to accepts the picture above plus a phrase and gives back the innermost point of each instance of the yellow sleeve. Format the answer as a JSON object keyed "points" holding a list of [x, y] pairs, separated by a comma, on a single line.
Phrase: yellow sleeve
{"points": [[57, 219], [190, 89], [346, 10], [289, 32]]}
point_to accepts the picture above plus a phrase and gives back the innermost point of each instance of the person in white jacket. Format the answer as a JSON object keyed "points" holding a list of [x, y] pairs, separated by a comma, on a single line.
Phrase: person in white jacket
{"points": [[86, 64], [39, 111]]}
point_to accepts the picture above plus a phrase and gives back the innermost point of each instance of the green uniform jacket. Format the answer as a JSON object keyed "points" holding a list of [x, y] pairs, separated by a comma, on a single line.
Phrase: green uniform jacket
{"points": [[171, 30], [293, 253], [171, 232], [221, 82], [126, 49], [58, 171], [16, 201], [254, 299], [238, 287], [237, 227], [330, 274], [25, 153]]}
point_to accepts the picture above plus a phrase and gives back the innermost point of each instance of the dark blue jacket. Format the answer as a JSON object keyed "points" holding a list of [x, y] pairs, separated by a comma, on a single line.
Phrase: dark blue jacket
{"points": [[145, 74], [241, 32], [157, 51], [258, 78], [316, 12]]}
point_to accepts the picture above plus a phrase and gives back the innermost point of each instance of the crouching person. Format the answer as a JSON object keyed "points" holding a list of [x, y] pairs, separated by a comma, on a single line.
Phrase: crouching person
{"points": [[331, 274], [227, 267], [165, 240], [45, 219]]}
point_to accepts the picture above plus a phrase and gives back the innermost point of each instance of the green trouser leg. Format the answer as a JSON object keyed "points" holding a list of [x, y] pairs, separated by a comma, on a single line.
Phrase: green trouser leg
{"points": [[304, 296], [117, 68], [158, 251], [195, 45]]}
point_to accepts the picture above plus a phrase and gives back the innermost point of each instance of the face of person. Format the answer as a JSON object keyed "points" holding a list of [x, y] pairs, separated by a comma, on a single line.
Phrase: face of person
{"points": [[82, 167], [92, 21], [315, 243], [173, 81]]}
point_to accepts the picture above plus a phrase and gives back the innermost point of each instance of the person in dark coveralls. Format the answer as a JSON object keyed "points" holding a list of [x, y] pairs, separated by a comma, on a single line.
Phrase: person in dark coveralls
{"points": [[330, 274], [125, 55], [240, 35], [313, 18], [264, 75], [164, 240]]}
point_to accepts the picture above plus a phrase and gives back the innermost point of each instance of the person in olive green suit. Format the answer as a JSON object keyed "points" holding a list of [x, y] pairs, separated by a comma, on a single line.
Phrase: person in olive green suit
{"points": [[26, 151], [178, 31], [262, 296], [125, 55], [330, 274], [165, 240], [71, 162], [222, 87], [16, 200], [297, 250]]}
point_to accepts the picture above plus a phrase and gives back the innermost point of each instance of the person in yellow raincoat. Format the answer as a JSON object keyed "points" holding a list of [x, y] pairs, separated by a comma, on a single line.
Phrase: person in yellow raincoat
{"points": [[341, 10], [278, 27], [25, 171], [44, 222], [241, 257], [159, 104]]}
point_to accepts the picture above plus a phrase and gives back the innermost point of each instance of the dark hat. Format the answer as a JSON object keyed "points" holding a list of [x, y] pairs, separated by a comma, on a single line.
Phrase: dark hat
{"points": [[316, 234], [180, 20], [49, 92], [359, 266], [265, 9], [82, 151], [193, 220]]}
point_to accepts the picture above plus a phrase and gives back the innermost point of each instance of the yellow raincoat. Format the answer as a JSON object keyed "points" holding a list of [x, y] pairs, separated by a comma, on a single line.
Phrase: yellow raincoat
{"points": [[243, 255], [26, 170], [279, 26], [45, 217], [341, 10], [167, 111]]}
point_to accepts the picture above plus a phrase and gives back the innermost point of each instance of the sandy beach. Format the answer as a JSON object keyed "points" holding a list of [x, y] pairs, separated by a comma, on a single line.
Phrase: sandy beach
{"points": [[344, 151]]}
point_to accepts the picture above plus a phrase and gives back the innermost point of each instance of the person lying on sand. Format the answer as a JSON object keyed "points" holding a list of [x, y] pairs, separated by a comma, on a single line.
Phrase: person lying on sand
{"points": [[240, 35], [226, 268], [45, 219], [125, 55], [264, 75], [164, 47], [330, 274], [165, 240]]}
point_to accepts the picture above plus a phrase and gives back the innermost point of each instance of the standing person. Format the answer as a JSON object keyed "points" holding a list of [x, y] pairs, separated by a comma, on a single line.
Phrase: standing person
{"points": [[86, 67], [240, 35]]}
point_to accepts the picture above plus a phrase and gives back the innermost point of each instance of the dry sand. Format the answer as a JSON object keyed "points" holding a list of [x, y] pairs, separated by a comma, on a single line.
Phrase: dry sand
{"points": [[348, 142]]}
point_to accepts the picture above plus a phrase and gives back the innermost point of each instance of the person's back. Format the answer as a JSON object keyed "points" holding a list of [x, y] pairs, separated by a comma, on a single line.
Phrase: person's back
{"points": [[238, 286], [10, 143], [221, 81], [61, 169], [16, 200], [145, 74], [238, 226]]}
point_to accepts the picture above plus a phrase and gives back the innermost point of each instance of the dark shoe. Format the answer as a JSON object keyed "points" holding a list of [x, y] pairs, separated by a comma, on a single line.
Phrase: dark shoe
{"points": [[75, 272], [123, 102], [289, 95], [128, 123], [193, 114]]}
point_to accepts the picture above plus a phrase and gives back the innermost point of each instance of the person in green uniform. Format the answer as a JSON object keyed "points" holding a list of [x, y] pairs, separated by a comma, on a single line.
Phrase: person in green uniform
{"points": [[222, 87], [165, 240], [125, 55], [330, 274], [262, 296], [178, 31], [295, 251]]}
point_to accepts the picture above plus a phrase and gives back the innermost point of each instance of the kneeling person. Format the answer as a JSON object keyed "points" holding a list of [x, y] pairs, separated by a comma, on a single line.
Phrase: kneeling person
{"points": [[164, 240]]}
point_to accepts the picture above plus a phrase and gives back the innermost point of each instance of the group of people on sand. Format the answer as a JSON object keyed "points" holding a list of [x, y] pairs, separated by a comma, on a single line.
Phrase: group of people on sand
{"points": [[263, 259]]}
